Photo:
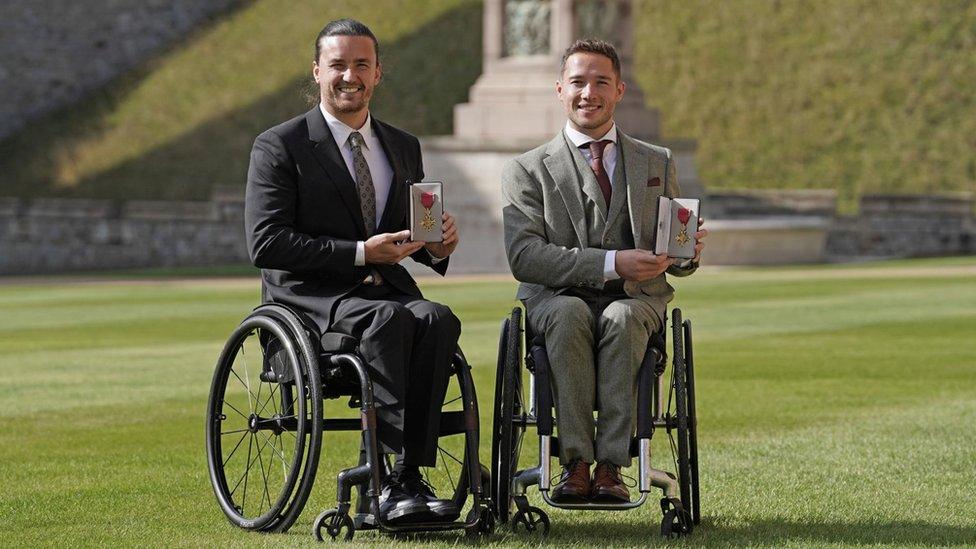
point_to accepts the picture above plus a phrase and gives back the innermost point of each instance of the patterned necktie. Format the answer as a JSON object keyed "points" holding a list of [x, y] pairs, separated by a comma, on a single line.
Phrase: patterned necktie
{"points": [[364, 183], [596, 164]]}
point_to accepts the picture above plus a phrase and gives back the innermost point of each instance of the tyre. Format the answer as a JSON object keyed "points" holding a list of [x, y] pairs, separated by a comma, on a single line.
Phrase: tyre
{"points": [[264, 422], [508, 425]]}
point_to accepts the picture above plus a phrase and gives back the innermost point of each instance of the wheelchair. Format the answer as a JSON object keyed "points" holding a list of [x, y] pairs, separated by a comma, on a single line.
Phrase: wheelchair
{"points": [[265, 425], [669, 408]]}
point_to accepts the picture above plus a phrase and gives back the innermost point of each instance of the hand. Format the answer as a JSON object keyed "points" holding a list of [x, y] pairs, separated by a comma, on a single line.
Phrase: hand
{"points": [[390, 248], [699, 236], [449, 238], [640, 265]]}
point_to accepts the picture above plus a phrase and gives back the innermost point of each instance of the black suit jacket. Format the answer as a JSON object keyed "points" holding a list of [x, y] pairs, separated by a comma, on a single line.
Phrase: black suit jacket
{"points": [[302, 214]]}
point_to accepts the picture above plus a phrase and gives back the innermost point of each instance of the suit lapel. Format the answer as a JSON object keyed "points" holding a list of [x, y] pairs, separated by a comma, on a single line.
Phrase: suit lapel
{"points": [[326, 151], [635, 171], [394, 198], [564, 175]]}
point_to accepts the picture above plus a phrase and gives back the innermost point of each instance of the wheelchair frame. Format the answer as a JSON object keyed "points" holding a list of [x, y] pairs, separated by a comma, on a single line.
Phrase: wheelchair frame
{"points": [[680, 504], [304, 374]]}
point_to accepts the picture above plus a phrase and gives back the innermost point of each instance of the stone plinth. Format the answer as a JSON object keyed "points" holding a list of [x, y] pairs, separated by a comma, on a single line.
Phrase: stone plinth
{"points": [[767, 241]]}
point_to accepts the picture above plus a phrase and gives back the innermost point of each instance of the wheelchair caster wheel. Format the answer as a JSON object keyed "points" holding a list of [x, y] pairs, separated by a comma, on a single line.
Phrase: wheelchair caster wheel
{"points": [[676, 521], [533, 519], [485, 525], [332, 522]]}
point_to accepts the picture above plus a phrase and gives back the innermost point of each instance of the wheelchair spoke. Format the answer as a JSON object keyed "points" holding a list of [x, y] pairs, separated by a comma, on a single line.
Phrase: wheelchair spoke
{"points": [[247, 378], [452, 401], [274, 448], [225, 433], [250, 444], [238, 445], [250, 395], [447, 469], [247, 469], [674, 456], [222, 402], [265, 477], [284, 466], [448, 454]]}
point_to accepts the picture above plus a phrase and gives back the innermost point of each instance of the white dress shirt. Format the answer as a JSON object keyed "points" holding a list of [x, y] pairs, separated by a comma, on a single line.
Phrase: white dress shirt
{"points": [[609, 160], [379, 165]]}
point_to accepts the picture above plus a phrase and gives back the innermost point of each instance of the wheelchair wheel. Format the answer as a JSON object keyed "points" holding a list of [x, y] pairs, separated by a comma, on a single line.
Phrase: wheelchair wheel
{"points": [[450, 476], [695, 509], [680, 420], [264, 422], [508, 427]]}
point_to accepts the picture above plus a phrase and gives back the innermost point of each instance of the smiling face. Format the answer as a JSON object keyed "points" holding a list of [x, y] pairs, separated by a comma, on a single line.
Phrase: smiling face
{"points": [[589, 90], [346, 72]]}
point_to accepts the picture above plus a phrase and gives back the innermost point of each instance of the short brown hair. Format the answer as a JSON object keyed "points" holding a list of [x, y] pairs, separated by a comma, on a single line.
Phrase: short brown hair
{"points": [[592, 45]]}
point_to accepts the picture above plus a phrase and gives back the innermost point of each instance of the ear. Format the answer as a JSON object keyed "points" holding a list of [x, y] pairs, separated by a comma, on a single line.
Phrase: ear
{"points": [[315, 72], [379, 72], [621, 86], [559, 88]]}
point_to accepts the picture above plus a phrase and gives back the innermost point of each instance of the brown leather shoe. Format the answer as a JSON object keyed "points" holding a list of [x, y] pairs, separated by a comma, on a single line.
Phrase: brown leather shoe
{"points": [[574, 485], [607, 485]]}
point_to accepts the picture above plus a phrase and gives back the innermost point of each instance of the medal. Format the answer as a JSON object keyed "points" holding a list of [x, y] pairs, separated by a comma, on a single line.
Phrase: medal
{"points": [[684, 214], [427, 200]]}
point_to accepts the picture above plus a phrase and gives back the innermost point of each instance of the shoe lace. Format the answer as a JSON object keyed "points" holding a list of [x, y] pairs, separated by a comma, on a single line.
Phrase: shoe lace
{"points": [[625, 477], [567, 469], [417, 481]]}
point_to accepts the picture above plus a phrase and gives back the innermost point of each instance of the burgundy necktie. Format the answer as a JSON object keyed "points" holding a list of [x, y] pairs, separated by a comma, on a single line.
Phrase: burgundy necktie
{"points": [[596, 164]]}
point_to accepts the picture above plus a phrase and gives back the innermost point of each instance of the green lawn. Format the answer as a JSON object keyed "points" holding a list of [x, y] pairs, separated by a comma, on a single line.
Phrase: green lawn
{"points": [[836, 408]]}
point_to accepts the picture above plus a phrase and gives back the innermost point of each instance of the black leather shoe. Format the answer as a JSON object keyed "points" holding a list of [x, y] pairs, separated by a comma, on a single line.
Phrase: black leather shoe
{"points": [[396, 506], [443, 510]]}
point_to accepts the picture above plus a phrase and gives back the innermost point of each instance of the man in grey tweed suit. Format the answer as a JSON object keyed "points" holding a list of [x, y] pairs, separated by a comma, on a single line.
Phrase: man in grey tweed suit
{"points": [[579, 218]]}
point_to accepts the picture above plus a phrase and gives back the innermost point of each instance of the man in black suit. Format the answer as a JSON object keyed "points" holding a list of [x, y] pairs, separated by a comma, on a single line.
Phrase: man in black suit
{"points": [[326, 221]]}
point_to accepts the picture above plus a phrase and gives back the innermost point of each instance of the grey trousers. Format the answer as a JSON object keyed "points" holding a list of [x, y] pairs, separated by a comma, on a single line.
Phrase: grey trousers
{"points": [[595, 346]]}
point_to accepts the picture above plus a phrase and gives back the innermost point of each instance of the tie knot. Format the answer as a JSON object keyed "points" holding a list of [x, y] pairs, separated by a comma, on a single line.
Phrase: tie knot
{"points": [[356, 139], [596, 147]]}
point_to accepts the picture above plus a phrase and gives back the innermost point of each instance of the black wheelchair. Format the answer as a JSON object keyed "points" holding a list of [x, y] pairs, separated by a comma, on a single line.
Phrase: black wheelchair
{"points": [[265, 423], [671, 409]]}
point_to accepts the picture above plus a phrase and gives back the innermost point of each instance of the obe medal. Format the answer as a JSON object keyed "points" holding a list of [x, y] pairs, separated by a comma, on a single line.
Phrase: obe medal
{"points": [[427, 200], [684, 214]]}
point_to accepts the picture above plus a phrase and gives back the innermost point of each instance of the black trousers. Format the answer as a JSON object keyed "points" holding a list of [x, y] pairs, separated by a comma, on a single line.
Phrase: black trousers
{"points": [[408, 344]]}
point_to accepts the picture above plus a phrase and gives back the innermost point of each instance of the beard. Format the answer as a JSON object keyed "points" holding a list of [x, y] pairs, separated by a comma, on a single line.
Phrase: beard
{"points": [[335, 100]]}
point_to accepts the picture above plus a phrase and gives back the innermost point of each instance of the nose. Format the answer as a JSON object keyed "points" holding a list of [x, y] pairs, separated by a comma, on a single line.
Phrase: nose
{"points": [[587, 91], [347, 75]]}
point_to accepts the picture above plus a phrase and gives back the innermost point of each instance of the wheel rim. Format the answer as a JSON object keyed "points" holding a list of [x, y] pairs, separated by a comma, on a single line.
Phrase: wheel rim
{"points": [[678, 430], [255, 441], [509, 405]]}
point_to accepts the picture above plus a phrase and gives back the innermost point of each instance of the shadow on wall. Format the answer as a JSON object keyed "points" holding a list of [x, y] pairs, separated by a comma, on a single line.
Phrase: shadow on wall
{"points": [[425, 74]]}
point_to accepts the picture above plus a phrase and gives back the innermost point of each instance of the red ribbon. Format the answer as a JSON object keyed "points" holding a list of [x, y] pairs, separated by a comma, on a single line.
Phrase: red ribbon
{"points": [[684, 214], [427, 199]]}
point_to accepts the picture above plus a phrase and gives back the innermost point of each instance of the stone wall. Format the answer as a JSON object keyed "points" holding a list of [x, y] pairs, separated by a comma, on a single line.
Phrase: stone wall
{"points": [[906, 226], [51, 236], [54, 51]]}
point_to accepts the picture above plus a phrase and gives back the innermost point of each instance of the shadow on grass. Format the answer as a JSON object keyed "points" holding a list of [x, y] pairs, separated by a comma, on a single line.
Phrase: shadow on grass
{"points": [[425, 74], [774, 532], [644, 531]]}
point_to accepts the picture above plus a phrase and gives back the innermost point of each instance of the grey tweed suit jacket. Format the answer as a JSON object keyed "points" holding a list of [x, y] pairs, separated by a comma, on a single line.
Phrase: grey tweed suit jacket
{"points": [[546, 227]]}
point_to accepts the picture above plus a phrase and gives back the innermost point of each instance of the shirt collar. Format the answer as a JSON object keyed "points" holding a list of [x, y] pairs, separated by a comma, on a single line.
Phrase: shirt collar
{"points": [[579, 138], [340, 131]]}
